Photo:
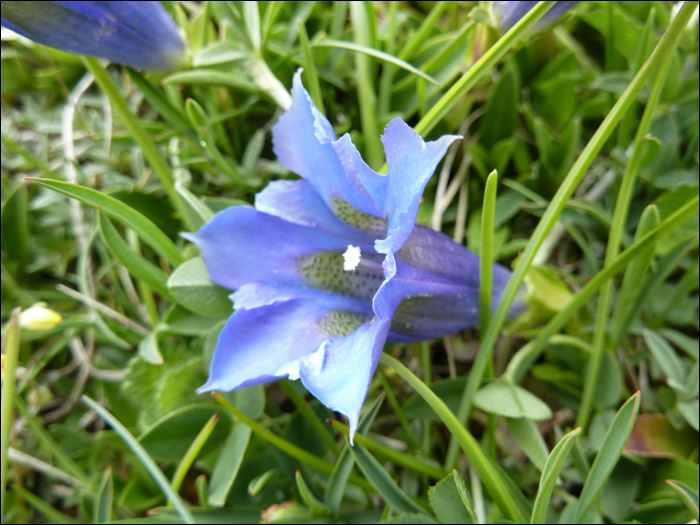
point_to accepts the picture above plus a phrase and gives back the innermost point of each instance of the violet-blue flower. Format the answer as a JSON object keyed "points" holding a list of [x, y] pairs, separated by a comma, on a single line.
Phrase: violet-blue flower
{"points": [[509, 13], [328, 268], [138, 34]]}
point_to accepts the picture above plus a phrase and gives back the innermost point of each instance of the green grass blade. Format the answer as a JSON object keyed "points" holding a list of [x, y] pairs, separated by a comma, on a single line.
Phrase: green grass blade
{"points": [[193, 452], [105, 496], [416, 39], [228, 465], [148, 231], [53, 515], [297, 453], [488, 214], [365, 83], [482, 66], [551, 215], [311, 73], [346, 461], [394, 403], [383, 483], [199, 212], [146, 460], [396, 456], [159, 102], [624, 197], [687, 495], [635, 272], [358, 48], [10, 351], [667, 358], [142, 138], [132, 261], [495, 484], [609, 453], [317, 507], [521, 361], [311, 417], [550, 474], [212, 77]]}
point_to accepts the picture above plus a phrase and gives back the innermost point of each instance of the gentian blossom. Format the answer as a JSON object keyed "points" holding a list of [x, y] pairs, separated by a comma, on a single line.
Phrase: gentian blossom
{"points": [[138, 34], [509, 13], [328, 268]]}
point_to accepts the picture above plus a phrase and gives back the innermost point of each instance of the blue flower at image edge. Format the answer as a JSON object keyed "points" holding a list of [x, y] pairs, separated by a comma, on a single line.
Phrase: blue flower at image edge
{"points": [[137, 34], [328, 268]]}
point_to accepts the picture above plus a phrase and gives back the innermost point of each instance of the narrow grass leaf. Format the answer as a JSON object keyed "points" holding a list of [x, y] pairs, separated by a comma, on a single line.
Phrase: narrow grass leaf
{"points": [[193, 452], [375, 53], [688, 495], [145, 228], [486, 260], [190, 285], [346, 461], [212, 77], [297, 453], [132, 261], [311, 73], [689, 345], [382, 482], [199, 212], [53, 515], [498, 487], [219, 53], [104, 499], [10, 351], [146, 460], [159, 102], [608, 455], [228, 464], [317, 508], [393, 455], [421, 34], [667, 358], [447, 503], [550, 474]]}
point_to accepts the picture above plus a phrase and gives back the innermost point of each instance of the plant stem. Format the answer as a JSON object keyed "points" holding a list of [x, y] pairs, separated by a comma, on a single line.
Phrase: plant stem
{"points": [[11, 353]]}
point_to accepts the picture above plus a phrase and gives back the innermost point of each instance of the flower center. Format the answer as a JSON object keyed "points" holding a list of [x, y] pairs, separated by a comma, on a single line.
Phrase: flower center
{"points": [[351, 274]]}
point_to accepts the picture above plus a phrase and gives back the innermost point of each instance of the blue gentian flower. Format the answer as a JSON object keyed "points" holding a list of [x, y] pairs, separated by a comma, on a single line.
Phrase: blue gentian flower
{"points": [[510, 13], [328, 268], [139, 34]]}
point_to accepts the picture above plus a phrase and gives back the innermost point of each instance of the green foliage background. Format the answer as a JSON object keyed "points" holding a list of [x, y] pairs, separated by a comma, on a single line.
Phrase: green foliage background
{"points": [[141, 318]]}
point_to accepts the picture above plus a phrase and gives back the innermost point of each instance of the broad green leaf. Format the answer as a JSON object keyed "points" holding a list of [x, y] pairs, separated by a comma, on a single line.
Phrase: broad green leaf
{"points": [[146, 460], [191, 286], [688, 495], [380, 479], [465, 497], [148, 231], [103, 501], [510, 400], [346, 461], [609, 453], [446, 500], [655, 436], [667, 359], [137, 265], [550, 474], [689, 410], [15, 232], [448, 390], [529, 437], [682, 341], [500, 110], [669, 202], [170, 437], [228, 464]]}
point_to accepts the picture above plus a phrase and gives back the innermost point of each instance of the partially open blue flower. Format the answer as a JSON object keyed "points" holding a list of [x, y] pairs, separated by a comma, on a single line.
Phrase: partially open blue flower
{"points": [[329, 267], [510, 13], [138, 34]]}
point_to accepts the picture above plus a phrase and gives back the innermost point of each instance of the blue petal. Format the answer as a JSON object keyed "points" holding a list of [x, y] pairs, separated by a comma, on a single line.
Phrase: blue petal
{"points": [[340, 371], [242, 245], [138, 34], [411, 163], [302, 140], [256, 343], [510, 13], [298, 202]]}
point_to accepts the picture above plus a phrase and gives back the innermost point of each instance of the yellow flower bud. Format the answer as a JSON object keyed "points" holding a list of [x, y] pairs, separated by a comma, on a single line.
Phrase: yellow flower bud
{"points": [[38, 318]]}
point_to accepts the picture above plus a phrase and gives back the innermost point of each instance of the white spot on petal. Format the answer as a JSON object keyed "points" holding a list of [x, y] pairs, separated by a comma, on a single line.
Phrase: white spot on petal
{"points": [[351, 258], [291, 369]]}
